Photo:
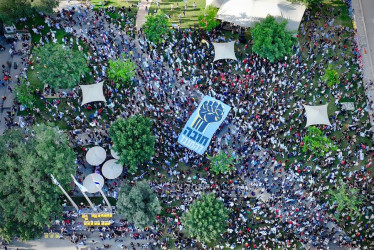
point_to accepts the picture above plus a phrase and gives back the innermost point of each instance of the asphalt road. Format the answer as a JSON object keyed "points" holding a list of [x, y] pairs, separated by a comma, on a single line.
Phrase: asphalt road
{"points": [[368, 14]]}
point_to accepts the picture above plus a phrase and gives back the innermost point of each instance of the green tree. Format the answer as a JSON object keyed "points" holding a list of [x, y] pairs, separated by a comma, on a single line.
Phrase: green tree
{"points": [[206, 218], [60, 67], [331, 76], [317, 143], [156, 27], [24, 93], [346, 199], [271, 40], [12, 10], [121, 70], [221, 163], [133, 140], [138, 204], [28, 198], [208, 19]]}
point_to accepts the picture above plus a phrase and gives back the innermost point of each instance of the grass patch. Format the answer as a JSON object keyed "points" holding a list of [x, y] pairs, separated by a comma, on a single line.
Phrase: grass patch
{"points": [[189, 17]]}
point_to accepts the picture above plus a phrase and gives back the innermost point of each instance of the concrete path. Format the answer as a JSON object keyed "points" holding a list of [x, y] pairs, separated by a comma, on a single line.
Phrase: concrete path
{"points": [[142, 13], [364, 18]]}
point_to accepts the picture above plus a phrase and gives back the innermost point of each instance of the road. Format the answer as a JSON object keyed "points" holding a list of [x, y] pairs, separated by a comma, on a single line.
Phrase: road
{"points": [[364, 18]]}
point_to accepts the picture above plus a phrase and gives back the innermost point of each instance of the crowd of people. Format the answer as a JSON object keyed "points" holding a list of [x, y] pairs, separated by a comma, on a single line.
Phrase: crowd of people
{"points": [[276, 197]]}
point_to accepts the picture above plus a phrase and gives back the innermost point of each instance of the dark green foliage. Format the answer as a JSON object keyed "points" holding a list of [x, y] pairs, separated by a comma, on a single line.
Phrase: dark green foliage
{"points": [[133, 140], [206, 218], [138, 204], [156, 27], [271, 40], [60, 66], [12, 10], [28, 198], [24, 93]]}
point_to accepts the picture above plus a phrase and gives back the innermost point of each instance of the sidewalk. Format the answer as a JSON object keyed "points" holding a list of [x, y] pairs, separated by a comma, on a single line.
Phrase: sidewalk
{"points": [[142, 13]]}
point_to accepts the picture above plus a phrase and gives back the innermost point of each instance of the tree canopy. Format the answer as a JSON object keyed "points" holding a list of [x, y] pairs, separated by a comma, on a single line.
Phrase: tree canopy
{"points": [[206, 218], [156, 27], [121, 70], [271, 40], [208, 19], [12, 10], [346, 199], [221, 163], [317, 143], [24, 93], [60, 66], [331, 76], [28, 196], [133, 140], [138, 204]]}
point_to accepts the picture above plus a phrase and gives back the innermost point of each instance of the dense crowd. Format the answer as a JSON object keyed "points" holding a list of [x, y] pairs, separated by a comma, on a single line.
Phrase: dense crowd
{"points": [[265, 126]]}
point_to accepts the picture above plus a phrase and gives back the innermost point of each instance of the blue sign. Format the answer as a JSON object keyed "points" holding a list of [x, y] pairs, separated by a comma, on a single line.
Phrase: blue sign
{"points": [[203, 123]]}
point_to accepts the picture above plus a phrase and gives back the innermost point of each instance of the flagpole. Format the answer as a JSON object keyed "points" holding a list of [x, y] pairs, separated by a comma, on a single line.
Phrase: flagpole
{"points": [[63, 190], [106, 200], [102, 193], [84, 194]]}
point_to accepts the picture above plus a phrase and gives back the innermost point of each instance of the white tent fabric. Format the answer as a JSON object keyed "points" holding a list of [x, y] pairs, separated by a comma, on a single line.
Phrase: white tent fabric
{"points": [[95, 156], [111, 169], [246, 13], [215, 3], [90, 185], [224, 51], [114, 154], [92, 93], [317, 115]]}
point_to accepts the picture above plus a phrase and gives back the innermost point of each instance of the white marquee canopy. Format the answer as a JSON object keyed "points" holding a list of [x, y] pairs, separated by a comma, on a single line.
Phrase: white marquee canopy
{"points": [[90, 183], [92, 93], [224, 51], [317, 115], [95, 156], [114, 154], [111, 169], [246, 13]]}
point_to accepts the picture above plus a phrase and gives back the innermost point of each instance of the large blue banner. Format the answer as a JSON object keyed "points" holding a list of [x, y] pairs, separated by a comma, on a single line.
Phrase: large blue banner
{"points": [[203, 123]]}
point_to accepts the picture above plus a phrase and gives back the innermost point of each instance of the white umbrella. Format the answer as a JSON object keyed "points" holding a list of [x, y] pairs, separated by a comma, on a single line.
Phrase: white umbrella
{"points": [[96, 155], [114, 154], [112, 169], [90, 182]]}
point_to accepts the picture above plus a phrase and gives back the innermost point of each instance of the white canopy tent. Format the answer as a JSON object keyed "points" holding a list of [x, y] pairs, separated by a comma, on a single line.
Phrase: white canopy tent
{"points": [[224, 51], [95, 156], [317, 115], [215, 3], [112, 169], [114, 154], [92, 93], [246, 13], [90, 182]]}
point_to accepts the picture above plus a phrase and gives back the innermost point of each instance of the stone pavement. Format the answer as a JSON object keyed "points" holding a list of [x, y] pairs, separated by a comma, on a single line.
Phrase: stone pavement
{"points": [[142, 13], [364, 19]]}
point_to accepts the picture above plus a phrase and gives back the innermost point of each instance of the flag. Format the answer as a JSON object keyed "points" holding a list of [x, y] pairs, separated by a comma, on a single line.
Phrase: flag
{"points": [[80, 186], [55, 181]]}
